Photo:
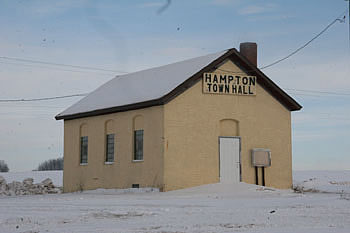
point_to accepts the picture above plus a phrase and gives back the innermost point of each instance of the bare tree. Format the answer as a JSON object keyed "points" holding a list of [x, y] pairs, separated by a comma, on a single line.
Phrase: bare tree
{"points": [[52, 164], [3, 166]]}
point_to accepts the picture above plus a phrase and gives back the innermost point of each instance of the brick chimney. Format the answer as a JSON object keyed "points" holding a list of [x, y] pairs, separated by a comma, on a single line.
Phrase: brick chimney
{"points": [[249, 51]]}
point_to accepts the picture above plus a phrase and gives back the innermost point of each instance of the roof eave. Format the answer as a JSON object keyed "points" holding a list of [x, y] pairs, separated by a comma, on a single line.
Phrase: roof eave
{"points": [[104, 111]]}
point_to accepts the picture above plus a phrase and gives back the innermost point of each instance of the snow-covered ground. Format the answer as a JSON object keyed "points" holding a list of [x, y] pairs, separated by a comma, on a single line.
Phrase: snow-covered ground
{"points": [[209, 208], [323, 181]]}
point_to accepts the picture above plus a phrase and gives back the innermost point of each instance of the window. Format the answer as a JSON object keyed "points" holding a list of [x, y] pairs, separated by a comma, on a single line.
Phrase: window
{"points": [[138, 144], [110, 148], [83, 150]]}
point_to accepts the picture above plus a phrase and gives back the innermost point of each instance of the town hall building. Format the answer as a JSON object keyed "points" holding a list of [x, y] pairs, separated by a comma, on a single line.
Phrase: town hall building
{"points": [[214, 118]]}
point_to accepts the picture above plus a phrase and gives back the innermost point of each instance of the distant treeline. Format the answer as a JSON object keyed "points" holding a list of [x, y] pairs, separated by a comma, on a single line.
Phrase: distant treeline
{"points": [[3, 166], [52, 164]]}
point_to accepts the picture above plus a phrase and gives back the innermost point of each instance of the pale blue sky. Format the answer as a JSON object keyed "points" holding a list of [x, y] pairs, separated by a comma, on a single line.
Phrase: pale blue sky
{"points": [[130, 36]]}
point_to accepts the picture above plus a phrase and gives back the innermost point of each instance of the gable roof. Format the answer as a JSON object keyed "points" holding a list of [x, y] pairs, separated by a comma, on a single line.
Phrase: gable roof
{"points": [[159, 85]]}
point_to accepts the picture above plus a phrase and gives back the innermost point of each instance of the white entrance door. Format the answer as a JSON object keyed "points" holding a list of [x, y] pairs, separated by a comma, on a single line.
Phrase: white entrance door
{"points": [[229, 160]]}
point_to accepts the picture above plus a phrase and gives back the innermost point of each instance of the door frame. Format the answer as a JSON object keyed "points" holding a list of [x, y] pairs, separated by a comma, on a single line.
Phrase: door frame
{"points": [[240, 148]]}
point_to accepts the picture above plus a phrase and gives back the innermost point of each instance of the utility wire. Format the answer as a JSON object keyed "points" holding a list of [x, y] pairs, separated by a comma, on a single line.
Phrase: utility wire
{"points": [[100, 69], [42, 99], [56, 68], [320, 94], [340, 18], [309, 42], [168, 3], [303, 94], [60, 64], [313, 95]]}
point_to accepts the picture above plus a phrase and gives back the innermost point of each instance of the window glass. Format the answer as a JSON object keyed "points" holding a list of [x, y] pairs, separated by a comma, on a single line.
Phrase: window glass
{"points": [[138, 145], [84, 149], [110, 148]]}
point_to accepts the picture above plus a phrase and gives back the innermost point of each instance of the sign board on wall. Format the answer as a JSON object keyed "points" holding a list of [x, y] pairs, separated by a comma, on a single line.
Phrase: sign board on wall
{"points": [[221, 83], [261, 157]]}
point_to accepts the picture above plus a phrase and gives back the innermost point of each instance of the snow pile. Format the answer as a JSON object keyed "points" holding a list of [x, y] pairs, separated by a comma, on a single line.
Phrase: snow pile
{"points": [[38, 176], [27, 187], [322, 182]]}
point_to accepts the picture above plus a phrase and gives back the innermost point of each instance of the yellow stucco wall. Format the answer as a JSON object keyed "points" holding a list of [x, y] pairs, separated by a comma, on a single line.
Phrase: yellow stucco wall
{"points": [[124, 171], [193, 121]]}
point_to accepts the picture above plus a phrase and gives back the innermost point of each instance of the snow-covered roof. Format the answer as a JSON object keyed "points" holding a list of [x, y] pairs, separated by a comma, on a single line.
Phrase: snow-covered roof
{"points": [[140, 86], [159, 85]]}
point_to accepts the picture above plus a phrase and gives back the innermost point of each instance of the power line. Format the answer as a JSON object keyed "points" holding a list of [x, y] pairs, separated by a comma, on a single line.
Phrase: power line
{"points": [[313, 95], [319, 92], [55, 68], [303, 94], [29, 107], [60, 64], [340, 18], [307, 43], [302, 47], [100, 69], [42, 99], [125, 72]]}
